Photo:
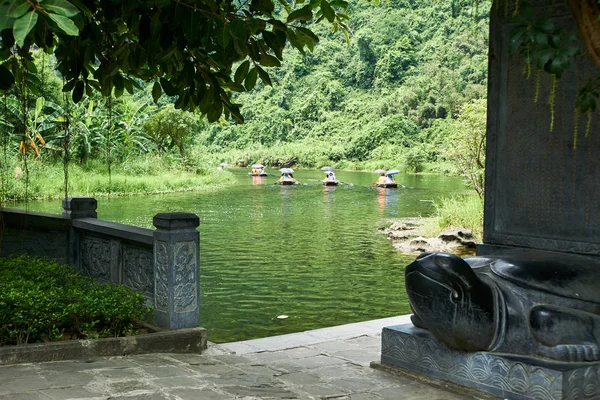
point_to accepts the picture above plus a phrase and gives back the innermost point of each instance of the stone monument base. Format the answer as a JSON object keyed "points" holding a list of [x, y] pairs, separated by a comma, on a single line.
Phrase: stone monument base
{"points": [[506, 376]]}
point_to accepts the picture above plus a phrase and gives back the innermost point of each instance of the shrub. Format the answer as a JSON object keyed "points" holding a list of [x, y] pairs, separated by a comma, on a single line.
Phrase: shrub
{"points": [[41, 300]]}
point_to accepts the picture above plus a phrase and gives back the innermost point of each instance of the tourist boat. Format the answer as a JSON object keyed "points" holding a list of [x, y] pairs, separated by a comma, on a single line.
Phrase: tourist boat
{"points": [[387, 185], [286, 177], [291, 182], [327, 181], [258, 173]]}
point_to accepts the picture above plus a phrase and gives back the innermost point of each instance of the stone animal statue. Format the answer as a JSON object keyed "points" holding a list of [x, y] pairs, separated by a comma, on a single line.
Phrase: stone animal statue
{"points": [[521, 304]]}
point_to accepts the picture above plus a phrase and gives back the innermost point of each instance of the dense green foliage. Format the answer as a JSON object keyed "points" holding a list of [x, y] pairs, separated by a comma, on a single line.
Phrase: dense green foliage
{"points": [[187, 48], [388, 98], [41, 300], [467, 154], [409, 66]]}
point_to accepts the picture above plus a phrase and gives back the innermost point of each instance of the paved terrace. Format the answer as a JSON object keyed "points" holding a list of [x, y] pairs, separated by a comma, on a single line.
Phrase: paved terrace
{"points": [[330, 363]]}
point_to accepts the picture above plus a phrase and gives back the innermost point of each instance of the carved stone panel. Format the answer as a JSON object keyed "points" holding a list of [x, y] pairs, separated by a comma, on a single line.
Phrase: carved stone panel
{"points": [[161, 279], [185, 282], [50, 244], [95, 257], [138, 270]]}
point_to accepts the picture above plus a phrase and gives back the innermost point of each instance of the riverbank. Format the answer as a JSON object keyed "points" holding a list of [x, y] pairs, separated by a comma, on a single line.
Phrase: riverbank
{"points": [[45, 181]]}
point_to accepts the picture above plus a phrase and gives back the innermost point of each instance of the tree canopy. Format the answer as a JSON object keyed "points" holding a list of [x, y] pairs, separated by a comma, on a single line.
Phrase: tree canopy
{"points": [[188, 48]]}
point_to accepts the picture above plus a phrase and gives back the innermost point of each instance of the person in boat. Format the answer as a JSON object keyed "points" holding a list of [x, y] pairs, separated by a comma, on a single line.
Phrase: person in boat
{"points": [[389, 179], [382, 179], [261, 170], [286, 177], [331, 176]]}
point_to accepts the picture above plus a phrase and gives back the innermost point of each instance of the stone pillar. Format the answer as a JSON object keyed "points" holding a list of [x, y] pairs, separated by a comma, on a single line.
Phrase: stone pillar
{"points": [[80, 207], [176, 270], [74, 208]]}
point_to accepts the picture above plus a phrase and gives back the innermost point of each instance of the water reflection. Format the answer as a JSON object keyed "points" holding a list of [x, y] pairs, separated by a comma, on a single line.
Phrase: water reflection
{"points": [[387, 202], [329, 196], [258, 180]]}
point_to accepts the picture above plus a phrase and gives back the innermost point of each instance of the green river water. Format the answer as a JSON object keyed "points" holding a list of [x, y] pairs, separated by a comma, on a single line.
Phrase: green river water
{"points": [[308, 252]]}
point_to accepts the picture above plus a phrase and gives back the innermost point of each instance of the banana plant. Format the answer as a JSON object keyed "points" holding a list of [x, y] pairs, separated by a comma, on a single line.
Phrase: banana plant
{"points": [[33, 124]]}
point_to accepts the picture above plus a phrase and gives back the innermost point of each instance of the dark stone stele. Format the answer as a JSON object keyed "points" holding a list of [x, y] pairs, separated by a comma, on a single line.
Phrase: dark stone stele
{"points": [[522, 325]]}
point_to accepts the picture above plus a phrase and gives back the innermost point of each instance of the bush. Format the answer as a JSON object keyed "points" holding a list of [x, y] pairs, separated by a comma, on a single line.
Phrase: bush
{"points": [[42, 301]]}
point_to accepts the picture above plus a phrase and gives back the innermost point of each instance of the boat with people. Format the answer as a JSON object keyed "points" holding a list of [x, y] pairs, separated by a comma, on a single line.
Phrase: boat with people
{"points": [[330, 179], [287, 177], [385, 179], [258, 170]]}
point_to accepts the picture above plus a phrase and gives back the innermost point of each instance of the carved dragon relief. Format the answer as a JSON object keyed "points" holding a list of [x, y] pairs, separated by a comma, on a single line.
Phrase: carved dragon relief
{"points": [[138, 269], [95, 257]]}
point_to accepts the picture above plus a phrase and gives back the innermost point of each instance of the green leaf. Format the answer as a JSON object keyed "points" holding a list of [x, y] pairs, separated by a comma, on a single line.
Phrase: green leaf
{"points": [[69, 85], [327, 10], [237, 30], [264, 76], [251, 79], [236, 87], [61, 7], [339, 3], [119, 85], [269, 61], [6, 78], [192, 26], [167, 87], [5, 21], [23, 26], [18, 9], [307, 32], [241, 72], [128, 85], [303, 14], [78, 92], [156, 92], [39, 105], [155, 24], [65, 24]]}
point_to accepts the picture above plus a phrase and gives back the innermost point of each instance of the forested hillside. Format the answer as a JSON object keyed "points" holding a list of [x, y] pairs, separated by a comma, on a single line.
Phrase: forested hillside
{"points": [[398, 93], [388, 97]]}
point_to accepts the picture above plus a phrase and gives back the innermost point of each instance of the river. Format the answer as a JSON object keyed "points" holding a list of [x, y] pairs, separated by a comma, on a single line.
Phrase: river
{"points": [[278, 259]]}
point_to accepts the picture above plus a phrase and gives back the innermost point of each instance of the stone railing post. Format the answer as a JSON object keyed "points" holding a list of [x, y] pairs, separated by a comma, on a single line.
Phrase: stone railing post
{"points": [[176, 270], [73, 208], [80, 207]]}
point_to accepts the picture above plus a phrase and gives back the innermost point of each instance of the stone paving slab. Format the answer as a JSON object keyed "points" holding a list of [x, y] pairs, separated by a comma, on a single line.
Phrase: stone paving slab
{"points": [[329, 363]]}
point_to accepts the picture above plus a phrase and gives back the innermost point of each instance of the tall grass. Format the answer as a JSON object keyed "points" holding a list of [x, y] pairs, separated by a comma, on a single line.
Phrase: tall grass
{"points": [[457, 212], [148, 175]]}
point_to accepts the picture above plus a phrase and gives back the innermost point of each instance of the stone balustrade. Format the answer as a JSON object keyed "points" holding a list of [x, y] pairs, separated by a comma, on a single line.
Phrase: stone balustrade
{"points": [[162, 263]]}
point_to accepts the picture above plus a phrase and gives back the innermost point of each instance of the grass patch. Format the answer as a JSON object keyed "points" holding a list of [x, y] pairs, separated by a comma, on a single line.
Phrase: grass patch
{"points": [[150, 175], [457, 212]]}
